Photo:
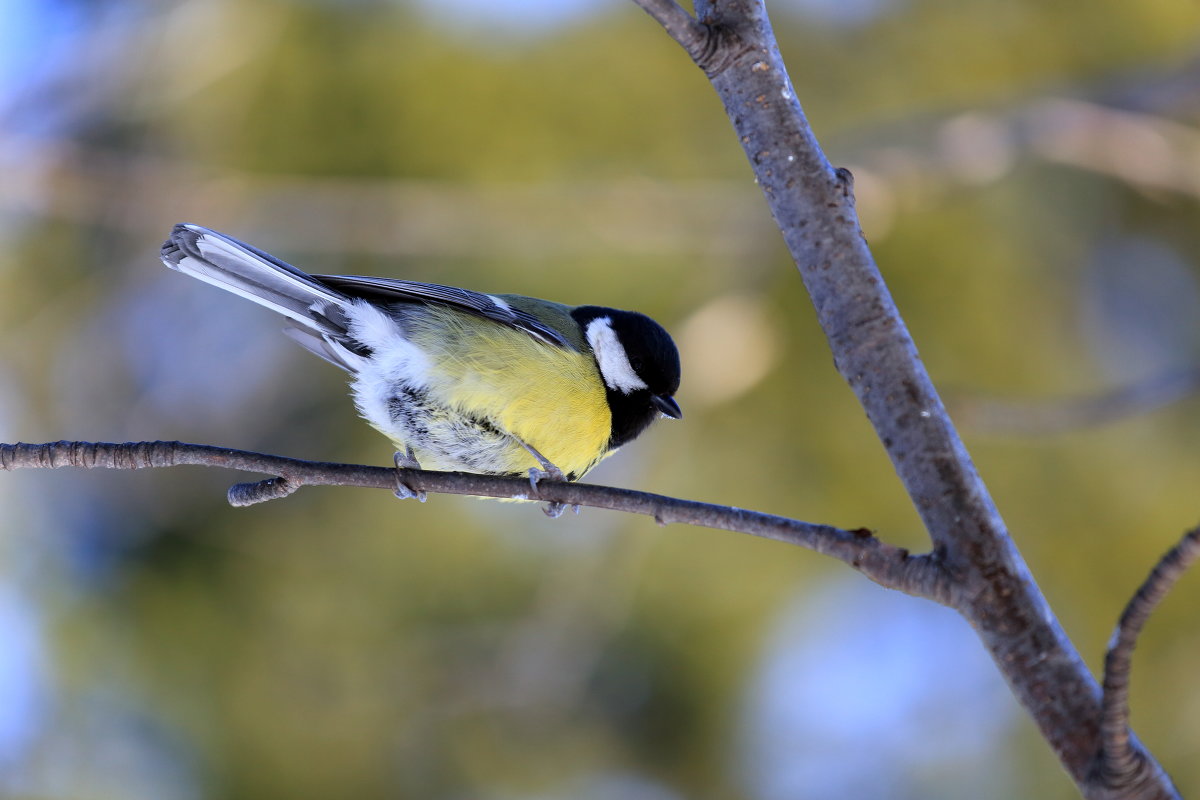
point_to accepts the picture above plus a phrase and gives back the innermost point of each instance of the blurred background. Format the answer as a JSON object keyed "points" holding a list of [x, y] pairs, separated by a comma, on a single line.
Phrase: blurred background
{"points": [[1028, 174]]}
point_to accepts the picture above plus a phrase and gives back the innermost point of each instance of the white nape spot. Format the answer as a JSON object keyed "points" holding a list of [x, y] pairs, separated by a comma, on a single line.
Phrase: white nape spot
{"points": [[612, 358], [500, 302]]}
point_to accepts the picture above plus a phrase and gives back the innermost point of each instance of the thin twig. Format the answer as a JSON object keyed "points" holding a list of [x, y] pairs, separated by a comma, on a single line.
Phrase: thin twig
{"points": [[889, 566], [1060, 415], [1120, 762], [679, 25]]}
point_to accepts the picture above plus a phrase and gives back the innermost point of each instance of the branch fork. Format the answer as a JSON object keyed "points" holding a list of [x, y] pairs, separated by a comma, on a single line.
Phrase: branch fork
{"points": [[989, 583]]}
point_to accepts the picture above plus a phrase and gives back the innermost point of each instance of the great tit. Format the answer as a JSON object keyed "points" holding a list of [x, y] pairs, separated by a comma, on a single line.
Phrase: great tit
{"points": [[460, 380]]}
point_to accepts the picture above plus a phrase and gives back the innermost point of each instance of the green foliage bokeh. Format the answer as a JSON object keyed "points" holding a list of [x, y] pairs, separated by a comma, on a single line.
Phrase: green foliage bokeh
{"points": [[340, 643]]}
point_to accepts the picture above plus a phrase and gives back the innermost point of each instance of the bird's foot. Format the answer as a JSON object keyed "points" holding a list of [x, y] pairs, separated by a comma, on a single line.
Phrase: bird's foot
{"points": [[536, 475], [407, 460], [553, 509]]}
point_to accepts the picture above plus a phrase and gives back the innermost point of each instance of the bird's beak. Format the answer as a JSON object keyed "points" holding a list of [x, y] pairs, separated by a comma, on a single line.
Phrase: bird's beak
{"points": [[666, 405]]}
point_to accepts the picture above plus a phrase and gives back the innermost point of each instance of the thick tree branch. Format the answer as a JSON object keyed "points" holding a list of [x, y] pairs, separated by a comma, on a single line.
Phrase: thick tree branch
{"points": [[813, 205], [888, 566], [1120, 765]]}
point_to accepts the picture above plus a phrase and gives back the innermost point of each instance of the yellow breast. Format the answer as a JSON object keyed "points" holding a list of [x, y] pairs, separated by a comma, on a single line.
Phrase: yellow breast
{"points": [[552, 398]]}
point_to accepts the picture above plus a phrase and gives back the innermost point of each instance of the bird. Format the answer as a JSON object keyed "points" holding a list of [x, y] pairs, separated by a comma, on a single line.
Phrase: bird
{"points": [[459, 380]]}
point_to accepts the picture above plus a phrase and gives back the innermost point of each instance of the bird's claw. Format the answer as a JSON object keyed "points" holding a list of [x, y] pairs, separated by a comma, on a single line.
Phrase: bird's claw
{"points": [[403, 491], [553, 509], [406, 459], [552, 472]]}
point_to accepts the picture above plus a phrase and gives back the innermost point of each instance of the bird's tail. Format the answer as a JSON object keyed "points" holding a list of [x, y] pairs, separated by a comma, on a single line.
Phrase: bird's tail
{"points": [[249, 272]]}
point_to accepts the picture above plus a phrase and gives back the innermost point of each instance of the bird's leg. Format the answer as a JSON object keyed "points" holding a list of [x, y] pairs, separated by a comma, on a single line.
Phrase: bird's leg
{"points": [[548, 469], [553, 509], [407, 460]]}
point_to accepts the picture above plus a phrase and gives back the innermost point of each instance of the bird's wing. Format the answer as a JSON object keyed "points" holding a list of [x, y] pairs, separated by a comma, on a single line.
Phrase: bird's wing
{"points": [[484, 305]]}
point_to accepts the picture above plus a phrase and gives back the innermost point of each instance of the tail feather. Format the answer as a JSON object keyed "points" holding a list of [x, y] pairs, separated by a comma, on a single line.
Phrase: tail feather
{"points": [[334, 351], [249, 272]]}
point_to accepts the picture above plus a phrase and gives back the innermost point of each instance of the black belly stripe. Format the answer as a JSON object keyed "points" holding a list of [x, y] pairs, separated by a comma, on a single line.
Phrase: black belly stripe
{"points": [[411, 408], [484, 424]]}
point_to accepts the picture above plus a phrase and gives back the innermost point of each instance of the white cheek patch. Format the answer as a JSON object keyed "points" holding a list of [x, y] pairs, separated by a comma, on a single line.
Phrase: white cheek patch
{"points": [[612, 358]]}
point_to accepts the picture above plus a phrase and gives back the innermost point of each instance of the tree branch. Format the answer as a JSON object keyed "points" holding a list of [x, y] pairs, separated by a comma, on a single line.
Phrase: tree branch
{"points": [[1060, 415], [1120, 764], [813, 205], [679, 25], [888, 566]]}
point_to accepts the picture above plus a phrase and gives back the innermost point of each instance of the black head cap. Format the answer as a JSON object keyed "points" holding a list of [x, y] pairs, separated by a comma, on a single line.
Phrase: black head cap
{"points": [[639, 363]]}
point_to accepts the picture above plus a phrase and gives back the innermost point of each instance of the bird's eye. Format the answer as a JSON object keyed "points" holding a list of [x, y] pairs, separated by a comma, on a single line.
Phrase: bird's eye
{"points": [[636, 362]]}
